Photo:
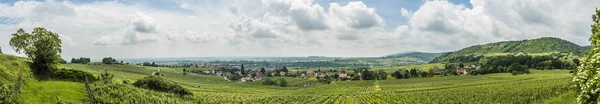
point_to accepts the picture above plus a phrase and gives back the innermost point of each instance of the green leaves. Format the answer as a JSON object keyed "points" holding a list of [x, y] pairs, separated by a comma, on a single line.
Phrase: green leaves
{"points": [[41, 45], [586, 80]]}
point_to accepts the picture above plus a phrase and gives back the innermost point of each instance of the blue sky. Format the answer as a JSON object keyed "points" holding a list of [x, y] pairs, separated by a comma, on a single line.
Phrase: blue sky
{"points": [[346, 28]]}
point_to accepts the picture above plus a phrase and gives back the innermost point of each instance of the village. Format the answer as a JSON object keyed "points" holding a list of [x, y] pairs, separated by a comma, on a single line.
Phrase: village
{"points": [[241, 74]]}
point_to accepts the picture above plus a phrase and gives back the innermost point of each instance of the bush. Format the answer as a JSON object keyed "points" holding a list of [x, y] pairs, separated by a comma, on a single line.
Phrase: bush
{"points": [[158, 84], [269, 82], [72, 75], [282, 82]]}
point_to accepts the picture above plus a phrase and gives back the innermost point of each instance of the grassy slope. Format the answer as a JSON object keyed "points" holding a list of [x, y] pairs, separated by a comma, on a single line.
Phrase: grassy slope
{"points": [[50, 92], [540, 45], [38, 92], [565, 98]]}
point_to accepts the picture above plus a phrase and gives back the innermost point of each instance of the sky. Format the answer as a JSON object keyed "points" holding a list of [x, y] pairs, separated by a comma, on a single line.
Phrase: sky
{"points": [[285, 28]]}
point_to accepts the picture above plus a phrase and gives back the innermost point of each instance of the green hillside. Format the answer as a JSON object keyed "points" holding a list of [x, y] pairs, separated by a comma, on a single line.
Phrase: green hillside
{"points": [[539, 45], [419, 55]]}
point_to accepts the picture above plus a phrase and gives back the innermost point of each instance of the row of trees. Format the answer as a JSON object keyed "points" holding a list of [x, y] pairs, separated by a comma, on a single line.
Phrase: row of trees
{"points": [[110, 60], [82, 60]]}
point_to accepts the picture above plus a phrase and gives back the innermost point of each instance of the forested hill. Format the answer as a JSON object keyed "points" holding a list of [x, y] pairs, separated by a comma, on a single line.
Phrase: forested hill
{"points": [[419, 55], [539, 45]]}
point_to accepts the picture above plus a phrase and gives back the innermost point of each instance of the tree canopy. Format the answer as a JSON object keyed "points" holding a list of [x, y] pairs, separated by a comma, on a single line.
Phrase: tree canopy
{"points": [[41, 45], [586, 79]]}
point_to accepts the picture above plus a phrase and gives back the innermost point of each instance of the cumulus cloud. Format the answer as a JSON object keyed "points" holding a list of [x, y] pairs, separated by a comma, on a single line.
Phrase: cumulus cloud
{"points": [[405, 13], [294, 27], [304, 13], [356, 15], [142, 29]]}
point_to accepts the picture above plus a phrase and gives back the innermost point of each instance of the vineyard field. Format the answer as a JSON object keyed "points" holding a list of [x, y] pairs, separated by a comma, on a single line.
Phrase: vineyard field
{"points": [[498, 88]]}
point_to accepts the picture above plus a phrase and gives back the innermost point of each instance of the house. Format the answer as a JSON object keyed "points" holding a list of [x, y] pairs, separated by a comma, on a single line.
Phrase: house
{"points": [[342, 75], [463, 70], [257, 77], [246, 79], [310, 73], [321, 74], [282, 73], [273, 73]]}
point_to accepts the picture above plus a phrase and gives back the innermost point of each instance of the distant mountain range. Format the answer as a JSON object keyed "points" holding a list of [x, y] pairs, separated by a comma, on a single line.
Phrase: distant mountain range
{"points": [[539, 45]]}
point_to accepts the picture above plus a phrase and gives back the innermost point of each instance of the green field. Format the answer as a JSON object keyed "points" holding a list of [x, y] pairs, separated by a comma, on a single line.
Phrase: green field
{"points": [[541, 86]]}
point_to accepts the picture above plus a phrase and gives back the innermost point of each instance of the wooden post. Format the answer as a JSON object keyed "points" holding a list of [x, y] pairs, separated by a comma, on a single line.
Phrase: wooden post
{"points": [[89, 90]]}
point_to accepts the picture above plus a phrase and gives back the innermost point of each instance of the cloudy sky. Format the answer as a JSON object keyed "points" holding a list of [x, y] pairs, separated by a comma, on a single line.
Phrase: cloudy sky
{"points": [[192, 28]]}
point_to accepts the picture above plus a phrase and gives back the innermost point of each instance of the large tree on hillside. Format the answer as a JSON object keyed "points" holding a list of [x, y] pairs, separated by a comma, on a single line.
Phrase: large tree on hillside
{"points": [[586, 81], [41, 45]]}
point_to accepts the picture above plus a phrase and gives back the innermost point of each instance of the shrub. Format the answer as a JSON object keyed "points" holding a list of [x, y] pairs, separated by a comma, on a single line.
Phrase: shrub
{"points": [[269, 82], [72, 75], [158, 84], [282, 82]]}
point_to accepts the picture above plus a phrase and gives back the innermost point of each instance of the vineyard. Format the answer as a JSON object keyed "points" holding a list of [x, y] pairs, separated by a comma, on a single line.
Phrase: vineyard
{"points": [[497, 88]]}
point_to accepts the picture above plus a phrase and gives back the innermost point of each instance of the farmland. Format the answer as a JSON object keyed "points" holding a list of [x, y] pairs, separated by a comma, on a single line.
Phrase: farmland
{"points": [[497, 87]]}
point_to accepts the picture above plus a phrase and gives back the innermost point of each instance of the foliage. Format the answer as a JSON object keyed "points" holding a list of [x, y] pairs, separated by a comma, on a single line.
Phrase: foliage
{"points": [[540, 45], [268, 81], [282, 82], [115, 93], [585, 80], [62, 61], [109, 60], [71, 75], [106, 77], [517, 68], [42, 46], [382, 76], [81, 60], [159, 84]]}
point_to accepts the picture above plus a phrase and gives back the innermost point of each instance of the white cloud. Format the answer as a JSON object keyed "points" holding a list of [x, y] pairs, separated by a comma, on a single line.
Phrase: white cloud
{"points": [[291, 27], [356, 15], [304, 13], [405, 13]]}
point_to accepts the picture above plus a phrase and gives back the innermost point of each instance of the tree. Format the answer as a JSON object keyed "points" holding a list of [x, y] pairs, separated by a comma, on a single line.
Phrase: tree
{"points": [[146, 64], [285, 69], [63, 61], [262, 70], [243, 71], [108, 60], [585, 80], [184, 71], [413, 73], [0, 50], [282, 82], [41, 45], [383, 76], [398, 74], [153, 64]]}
